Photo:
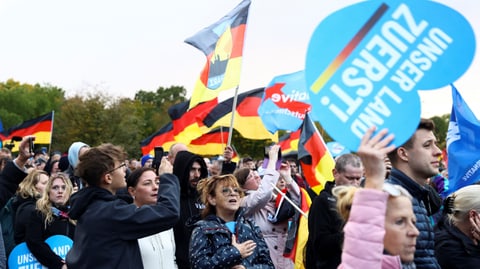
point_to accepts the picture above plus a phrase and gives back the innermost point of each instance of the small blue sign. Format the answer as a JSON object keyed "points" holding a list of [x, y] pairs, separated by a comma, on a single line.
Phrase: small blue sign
{"points": [[366, 62], [22, 258]]}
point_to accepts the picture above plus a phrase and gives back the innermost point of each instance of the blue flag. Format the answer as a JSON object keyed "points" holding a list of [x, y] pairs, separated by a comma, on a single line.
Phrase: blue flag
{"points": [[285, 102], [462, 146]]}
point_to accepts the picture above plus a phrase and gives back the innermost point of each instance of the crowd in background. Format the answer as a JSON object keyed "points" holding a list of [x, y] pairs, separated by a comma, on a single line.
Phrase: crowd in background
{"points": [[385, 207]]}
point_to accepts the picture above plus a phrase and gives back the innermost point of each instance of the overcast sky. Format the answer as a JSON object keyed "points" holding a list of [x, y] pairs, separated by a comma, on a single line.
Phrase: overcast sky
{"points": [[120, 47]]}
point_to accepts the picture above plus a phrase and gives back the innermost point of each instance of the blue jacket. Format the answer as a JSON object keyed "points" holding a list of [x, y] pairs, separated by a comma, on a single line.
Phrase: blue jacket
{"points": [[425, 252], [211, 244], [108, 227]]}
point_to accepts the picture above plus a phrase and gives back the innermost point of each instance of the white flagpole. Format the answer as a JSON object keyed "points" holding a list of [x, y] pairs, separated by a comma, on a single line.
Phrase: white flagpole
{"points": [[234, 108], [290, 201]]}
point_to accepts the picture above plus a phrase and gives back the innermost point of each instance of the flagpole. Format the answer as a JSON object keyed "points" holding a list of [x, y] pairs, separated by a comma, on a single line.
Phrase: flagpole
{"points": [[234, 106], [290, 201], [51, 132]]}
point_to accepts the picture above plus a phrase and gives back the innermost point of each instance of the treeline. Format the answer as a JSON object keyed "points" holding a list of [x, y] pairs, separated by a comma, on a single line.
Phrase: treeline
{"points": [[97, 118]]}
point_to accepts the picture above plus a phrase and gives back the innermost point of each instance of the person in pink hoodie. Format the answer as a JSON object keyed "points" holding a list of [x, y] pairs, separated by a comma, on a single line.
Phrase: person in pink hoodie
{"points": [[380, 227]]}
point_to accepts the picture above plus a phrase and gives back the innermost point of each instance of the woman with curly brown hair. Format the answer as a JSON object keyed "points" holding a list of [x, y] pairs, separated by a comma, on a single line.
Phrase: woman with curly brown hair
{"points": [[224, 238]]}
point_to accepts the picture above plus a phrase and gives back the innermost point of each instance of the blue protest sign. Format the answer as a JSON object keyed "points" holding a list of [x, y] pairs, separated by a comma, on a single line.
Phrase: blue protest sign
{"points": [[22, 258], [285, 102], [336, 149], [366, 62]]}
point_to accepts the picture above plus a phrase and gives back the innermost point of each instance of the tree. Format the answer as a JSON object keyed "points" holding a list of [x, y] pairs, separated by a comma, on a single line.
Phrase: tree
{"points": [[21, 102], [441, 128], [156, 104]]}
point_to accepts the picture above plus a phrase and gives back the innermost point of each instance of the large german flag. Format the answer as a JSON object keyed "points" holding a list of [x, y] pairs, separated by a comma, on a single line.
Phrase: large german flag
{"points": [[40, 127], [222, 44], [211, 143], [317, 162], [246, 120], [162, 138], [289, 142], [185, 125]]}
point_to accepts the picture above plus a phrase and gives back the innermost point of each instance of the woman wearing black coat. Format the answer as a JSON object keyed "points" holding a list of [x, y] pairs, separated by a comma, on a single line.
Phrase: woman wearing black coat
{"points": [[50, 218], [457, 235]]}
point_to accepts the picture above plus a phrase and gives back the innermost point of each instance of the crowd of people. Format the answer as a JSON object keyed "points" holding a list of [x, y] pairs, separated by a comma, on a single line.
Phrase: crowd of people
{"points": [[384, 208]]}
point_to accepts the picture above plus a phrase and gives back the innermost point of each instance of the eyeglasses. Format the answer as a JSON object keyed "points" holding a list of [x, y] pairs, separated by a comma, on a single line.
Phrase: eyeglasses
{"points": [[123, 165], [230, 191]]}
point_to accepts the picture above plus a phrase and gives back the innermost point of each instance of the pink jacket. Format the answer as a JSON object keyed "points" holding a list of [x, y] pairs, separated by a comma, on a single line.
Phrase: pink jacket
{"points": [[364, 232]]}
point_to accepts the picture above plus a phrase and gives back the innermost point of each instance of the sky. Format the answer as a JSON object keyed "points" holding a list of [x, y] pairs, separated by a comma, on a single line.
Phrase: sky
{"points": [[120, 47]]}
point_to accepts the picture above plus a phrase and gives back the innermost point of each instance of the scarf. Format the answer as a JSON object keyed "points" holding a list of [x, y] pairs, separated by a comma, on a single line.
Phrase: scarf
{"points": [[59, 213]]}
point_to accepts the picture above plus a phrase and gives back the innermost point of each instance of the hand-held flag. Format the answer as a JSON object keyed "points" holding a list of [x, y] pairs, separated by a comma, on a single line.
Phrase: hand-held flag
{"points": [[222, 43], [462, 146], [317, 162], [40, 127]]}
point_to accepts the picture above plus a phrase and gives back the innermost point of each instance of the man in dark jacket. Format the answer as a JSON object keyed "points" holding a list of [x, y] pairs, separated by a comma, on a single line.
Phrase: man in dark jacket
{"points": [[325, 237], [189, 168], [107, 227], [412, 164], [12, 174]]}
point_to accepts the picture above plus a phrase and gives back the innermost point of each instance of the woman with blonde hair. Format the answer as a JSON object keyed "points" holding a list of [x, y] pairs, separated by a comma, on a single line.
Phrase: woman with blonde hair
{"points": [[224, 238], [50, 218], [380, 217], [457, 234], [29, 191]]}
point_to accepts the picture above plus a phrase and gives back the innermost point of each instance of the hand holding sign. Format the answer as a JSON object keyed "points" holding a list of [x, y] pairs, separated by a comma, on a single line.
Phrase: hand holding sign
{"points": [[366, 62]]}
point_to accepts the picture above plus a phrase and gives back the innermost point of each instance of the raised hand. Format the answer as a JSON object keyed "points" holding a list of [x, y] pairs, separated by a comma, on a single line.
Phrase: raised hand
{"points": [[165, 166], [273, 156], [372, 151]]}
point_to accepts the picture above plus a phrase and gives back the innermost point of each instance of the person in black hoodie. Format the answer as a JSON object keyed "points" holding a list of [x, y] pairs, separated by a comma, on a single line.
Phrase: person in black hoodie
{"points": [[189, 168], [107, 227]]}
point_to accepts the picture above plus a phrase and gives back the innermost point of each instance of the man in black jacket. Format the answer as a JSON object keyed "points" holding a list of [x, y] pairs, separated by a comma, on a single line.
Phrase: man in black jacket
{"points": [[189, 168], [107, 227], [12, 174], [412, 164], [324, 244]]}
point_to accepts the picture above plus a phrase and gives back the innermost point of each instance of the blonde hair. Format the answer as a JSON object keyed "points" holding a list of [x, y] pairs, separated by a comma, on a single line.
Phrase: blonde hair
{"points": [[345, 194], [206, 187], [44, 205], [458, 205], [26, 188]]}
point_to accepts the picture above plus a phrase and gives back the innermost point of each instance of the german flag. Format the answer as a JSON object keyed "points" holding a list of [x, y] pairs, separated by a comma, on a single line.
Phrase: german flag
{"points": [[316, 161], [162, 138], [40, 127], [289, 142], [247, 121], [185, 125], [211, 143], [222, 44], [298, 232]]}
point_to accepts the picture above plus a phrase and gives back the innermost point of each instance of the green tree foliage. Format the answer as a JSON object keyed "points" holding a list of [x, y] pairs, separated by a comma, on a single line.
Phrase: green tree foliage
{"points": [[156, 104], [441, 128], [21, 102], [98, 119]]}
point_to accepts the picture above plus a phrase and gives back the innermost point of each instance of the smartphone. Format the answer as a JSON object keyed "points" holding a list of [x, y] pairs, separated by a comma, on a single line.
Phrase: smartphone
{"points": [[157, 158], [31, 145]]}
